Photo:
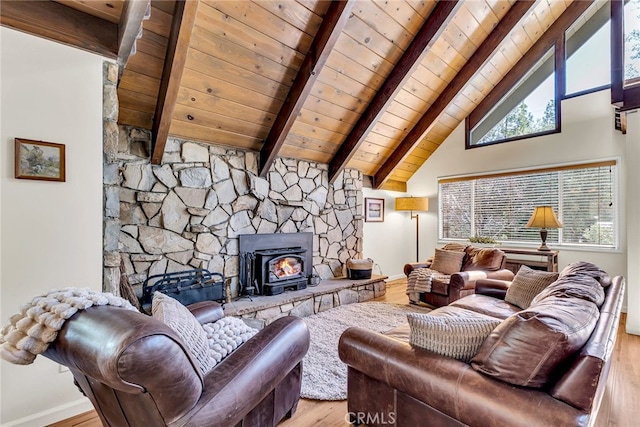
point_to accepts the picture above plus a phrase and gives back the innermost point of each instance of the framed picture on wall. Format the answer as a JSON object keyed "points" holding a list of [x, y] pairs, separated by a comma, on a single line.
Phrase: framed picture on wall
{"points": [[39, 160], [373, 209]]}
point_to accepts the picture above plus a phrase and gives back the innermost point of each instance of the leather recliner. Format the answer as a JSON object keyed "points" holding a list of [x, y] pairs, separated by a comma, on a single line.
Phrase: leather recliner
{"points": [[137, 371], [462, 283]]}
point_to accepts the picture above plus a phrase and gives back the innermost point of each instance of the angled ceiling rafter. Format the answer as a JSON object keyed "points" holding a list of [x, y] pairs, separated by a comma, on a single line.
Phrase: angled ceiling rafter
{"points": [[334, 21], [472, 66], [54, 21], [177, 47], [526, 63], [410, 59], [133, 13]]}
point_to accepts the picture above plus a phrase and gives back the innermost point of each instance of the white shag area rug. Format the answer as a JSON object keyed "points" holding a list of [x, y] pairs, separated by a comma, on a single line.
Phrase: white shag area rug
{"points": [[324, 375]]}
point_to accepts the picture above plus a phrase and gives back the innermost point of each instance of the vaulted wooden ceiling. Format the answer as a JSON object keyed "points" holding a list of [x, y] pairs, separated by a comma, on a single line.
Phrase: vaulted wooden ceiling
{"points": [[375, 85]]}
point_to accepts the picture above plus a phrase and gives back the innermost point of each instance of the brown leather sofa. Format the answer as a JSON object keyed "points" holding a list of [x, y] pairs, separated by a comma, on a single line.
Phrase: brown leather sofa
{"points": [[391, 382], [462, 283], [137, 372]]}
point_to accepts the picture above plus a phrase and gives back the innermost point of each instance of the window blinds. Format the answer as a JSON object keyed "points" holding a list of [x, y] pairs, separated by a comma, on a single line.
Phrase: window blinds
{"points": [[499, 205]]}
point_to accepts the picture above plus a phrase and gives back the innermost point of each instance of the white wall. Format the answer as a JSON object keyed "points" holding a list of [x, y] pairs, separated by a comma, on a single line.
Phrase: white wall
{"points": [[587, 134], [391, 244], [633, 223], [51, 231]]}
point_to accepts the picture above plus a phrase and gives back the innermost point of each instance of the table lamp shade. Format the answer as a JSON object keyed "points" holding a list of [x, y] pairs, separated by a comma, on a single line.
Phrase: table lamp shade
{"points": [[412, 204], [543, 217]]}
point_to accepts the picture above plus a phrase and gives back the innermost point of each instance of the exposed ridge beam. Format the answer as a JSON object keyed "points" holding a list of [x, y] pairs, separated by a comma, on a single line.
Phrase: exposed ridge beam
{"points": [[472, 66], [334, 21], [181, 28], [133, 13], [526, 63], [431, 29], [54, 21]]}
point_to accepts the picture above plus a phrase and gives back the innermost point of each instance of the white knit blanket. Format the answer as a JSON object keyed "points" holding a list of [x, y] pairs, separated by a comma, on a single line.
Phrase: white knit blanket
{"points": [[30, 332], [419, 280]]}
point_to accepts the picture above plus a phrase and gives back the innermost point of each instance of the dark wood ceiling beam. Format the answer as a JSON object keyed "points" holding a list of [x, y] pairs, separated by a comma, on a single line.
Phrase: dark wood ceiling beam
{"points": [[181, 28], [54, 21], [130, 25], [528, 61], [334, 21], [410, 59], [472, 66]]}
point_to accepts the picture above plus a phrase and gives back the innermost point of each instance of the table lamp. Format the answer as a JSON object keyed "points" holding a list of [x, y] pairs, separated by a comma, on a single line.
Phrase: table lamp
{"points": [[543, 217]]}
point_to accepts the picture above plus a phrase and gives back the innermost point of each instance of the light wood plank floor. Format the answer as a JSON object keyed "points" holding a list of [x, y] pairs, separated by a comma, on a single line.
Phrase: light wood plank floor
{"points": [[619, 406]]}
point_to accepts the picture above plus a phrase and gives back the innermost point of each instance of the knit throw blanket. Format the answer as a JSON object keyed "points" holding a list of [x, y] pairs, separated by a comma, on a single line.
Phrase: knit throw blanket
{"points": [[30, 332], [419, 280]]}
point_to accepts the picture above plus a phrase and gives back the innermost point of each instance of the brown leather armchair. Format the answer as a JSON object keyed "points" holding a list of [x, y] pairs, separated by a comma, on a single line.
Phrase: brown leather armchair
{"points": [[462, 283], [136, 371]]}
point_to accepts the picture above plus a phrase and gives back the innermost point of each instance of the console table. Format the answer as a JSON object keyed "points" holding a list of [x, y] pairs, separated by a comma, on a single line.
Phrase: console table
{"points": [[533, 258]]}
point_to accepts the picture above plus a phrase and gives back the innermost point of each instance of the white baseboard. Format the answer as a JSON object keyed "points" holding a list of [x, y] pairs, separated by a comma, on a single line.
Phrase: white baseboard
{"points": [[53, 415], [396, 277]]}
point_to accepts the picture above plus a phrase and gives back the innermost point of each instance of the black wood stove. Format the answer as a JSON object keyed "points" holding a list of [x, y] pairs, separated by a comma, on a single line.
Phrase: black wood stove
{"points": [[273, 263]]}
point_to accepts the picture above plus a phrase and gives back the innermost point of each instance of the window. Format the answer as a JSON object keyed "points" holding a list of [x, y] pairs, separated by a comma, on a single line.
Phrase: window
{"points": [[528, 109], [499, 205], [588, 47], [632, 42]]}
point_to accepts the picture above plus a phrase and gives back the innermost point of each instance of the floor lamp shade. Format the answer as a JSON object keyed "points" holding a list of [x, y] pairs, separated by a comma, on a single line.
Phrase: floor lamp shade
{"points": [[413, 204], [543, 217]]}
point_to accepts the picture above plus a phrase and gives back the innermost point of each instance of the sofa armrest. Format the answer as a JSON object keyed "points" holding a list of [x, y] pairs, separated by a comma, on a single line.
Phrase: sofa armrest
{"points": [[408, 268], [492, 287], [246, 377], [466, 280], [206, 311], [448, 385]]}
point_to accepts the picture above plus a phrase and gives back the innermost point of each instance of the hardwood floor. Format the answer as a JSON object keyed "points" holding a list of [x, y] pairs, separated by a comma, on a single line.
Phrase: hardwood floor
{"points": [[619, 405]]}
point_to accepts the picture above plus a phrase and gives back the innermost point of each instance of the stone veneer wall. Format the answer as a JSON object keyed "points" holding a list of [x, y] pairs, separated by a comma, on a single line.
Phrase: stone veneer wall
{"points": [[188, 212]]}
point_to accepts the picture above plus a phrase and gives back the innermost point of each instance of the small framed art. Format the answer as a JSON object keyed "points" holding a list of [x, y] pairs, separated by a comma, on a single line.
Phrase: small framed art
{"points": [[39, 160], [373, 209]]}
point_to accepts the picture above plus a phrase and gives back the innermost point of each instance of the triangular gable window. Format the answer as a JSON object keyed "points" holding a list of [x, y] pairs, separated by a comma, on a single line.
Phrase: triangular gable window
{"points": [[528, 109]]}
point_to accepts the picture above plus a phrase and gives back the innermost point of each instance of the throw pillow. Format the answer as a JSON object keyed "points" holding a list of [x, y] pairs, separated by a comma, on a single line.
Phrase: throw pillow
{"points": [[451, 332], [489, 259], [447, 262], [178, 317], [529, 346], [527, 284], [226, 335], [456, 247]]}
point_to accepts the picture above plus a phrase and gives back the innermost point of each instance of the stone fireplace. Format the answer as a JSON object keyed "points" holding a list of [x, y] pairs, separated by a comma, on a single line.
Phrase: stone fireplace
{"points": [[192, 210]]}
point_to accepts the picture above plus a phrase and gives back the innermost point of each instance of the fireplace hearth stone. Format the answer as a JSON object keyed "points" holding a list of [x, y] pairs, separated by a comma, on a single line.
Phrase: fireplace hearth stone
{"points": [[261, 310]]}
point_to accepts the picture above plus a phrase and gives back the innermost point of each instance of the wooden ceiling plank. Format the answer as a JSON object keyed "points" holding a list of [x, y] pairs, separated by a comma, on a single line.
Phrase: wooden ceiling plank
{"points": [[213, 136], [54, 21], [544, 43], [160, 21], [108, 10], [207, 69], [133, 13], [228, 28], [432, 27], [177, 47], [481, 55], [330, 29]]}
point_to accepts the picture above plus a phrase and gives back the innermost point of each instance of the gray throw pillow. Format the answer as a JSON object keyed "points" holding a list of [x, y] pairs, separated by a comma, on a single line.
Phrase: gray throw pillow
{"points": [[527, 284], [447, 262], [178, 317], [451, 331]]}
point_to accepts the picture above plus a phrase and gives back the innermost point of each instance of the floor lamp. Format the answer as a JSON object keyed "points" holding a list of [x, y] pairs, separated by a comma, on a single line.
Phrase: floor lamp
{"points": [[418, 204]]}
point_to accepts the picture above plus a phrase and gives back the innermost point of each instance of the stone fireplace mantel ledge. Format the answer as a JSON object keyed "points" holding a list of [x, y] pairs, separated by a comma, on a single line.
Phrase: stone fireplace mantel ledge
{"points": [[327, 294]]}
